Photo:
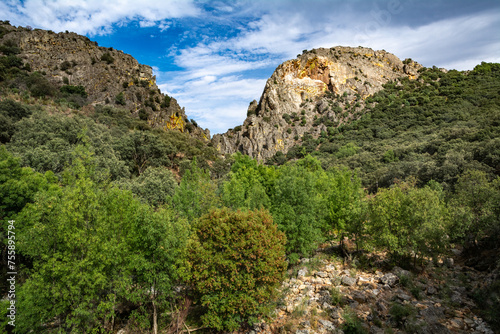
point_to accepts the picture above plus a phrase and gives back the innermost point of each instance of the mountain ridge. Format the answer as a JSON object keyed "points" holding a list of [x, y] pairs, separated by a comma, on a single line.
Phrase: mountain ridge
{"points": [[321, 83], [109, 76]]}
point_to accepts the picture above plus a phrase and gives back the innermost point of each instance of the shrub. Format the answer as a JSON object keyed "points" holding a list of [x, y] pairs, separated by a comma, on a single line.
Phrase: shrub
{"points": [[108, 58], [401, 313], [143, 115], [66, 65], [352, 324], [408, 221], [69, 89], [120, 99], [237, 259], [39, 85]]}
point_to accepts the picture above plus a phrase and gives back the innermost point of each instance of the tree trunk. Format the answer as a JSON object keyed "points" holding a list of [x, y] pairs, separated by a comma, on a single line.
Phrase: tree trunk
{"points": [[155, 323]]}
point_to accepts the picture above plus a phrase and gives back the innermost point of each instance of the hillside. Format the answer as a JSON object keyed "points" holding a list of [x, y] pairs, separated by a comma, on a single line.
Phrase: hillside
{"points": [[108, 76], [320, 84], [366, 200], [369, 111], [435, 128]]}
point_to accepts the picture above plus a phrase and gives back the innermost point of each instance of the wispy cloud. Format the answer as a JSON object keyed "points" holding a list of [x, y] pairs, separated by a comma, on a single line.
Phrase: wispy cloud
{"points": [[211, 82], [94, 16], [223, 57]]}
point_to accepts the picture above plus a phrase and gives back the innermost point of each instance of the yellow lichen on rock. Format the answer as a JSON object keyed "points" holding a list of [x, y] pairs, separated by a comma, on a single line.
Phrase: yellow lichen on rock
{"points": [[175, 122], [280, 146]]}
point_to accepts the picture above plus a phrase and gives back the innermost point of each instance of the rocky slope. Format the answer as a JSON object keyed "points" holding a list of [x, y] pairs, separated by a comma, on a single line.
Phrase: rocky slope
{"points": [[320, 84], [109, 76], [326, 295]]}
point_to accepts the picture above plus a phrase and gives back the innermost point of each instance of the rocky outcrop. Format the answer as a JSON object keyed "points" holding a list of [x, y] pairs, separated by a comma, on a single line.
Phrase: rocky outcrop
{"points": [[322, 84], [109, 76], [325, 294]]}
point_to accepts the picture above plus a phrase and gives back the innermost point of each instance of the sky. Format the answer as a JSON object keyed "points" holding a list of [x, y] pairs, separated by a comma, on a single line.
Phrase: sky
{"points": [[215, 56]]}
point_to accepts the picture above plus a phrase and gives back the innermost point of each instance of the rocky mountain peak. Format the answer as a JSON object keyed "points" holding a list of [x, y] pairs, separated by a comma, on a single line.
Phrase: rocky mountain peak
{"points": [[319, 84], [109, 76]]}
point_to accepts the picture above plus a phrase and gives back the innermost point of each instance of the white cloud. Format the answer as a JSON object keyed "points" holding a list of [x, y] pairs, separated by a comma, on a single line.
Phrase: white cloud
{"points": [[147, 24], [220, 75], [221, 102], [94, 16]]}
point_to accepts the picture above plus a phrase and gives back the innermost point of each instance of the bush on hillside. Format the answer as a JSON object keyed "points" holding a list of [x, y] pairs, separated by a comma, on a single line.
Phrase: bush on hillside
{"points": [[237, 259]]}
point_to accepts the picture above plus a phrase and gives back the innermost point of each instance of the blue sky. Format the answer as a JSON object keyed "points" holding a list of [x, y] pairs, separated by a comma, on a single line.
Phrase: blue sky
{"points": [[214, 57]]}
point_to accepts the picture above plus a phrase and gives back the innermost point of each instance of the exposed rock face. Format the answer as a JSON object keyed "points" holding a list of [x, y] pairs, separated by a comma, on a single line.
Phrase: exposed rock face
{"points": [[107, 75], [320, 301], [305, 89]]}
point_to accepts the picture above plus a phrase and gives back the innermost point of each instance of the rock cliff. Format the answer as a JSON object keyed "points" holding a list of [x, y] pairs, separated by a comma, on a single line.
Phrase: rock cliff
{"points": [[322, 84], [109, 76]]}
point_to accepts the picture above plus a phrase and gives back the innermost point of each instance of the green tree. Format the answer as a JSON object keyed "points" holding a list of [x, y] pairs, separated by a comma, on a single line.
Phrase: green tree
{"points": [[299, 207], [108, 58], [94, 247], [475, 204], [46, 142], [120, 99], [237, 260], [75, 237], [157, 240], [248, 184], [18, 187], [406, 220], [156, 185], [196, 194], [143, 149], [346, 205]]}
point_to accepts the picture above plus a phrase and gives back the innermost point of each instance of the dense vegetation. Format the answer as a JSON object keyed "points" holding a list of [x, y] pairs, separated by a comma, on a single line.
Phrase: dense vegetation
{"points": [[433, 128], [117, 223]]}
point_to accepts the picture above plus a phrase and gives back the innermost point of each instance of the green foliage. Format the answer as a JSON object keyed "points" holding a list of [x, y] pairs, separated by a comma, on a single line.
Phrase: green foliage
{"points": [[143, 115], [401, 314], [9, 47], [108, 58], [352, 324], [436, 129], [246, 187], [74, 238], [156, 186], [39, 86], [346, 205], [488, 300], [196, 193], [166, 101], [347, 150], [336, 297], [476, 213], [65, 65], [93, 247], [4, 304], [10, 113], [406, 220], [298, 206], [143, 149], [45, 142], [18, 186], [157, 241], [237, 260], [120, 99], [69, 89]]}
